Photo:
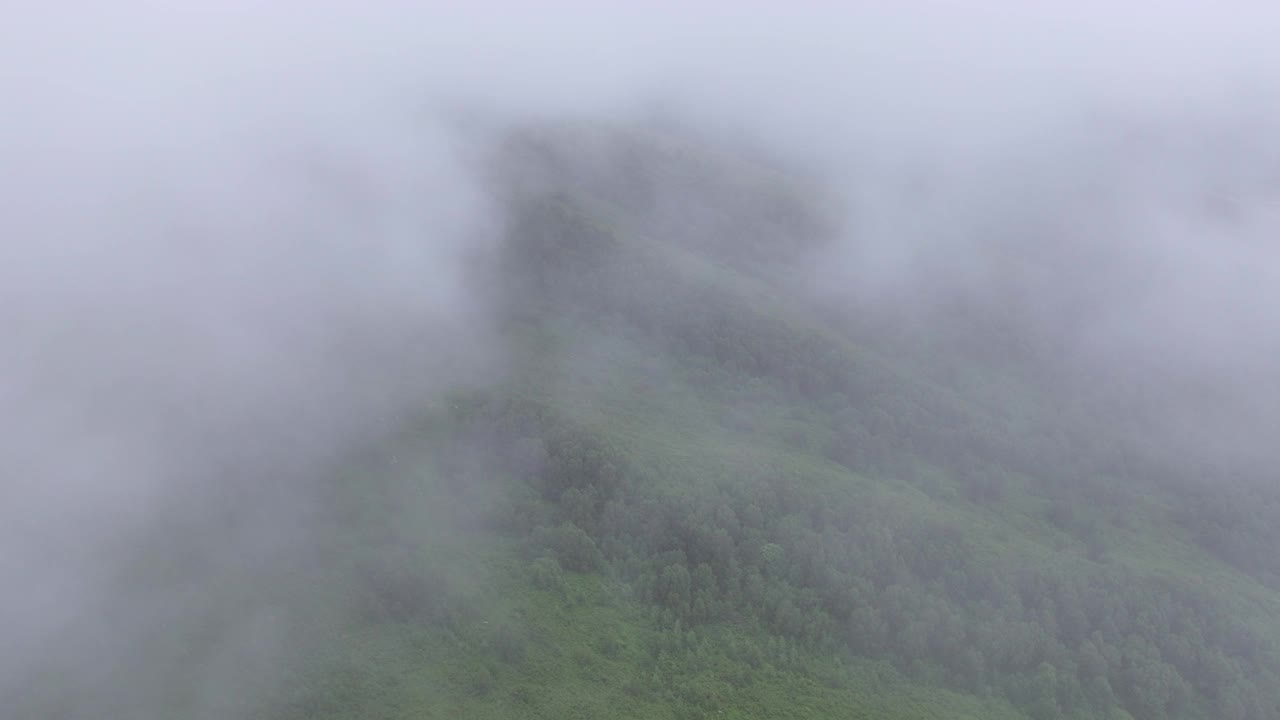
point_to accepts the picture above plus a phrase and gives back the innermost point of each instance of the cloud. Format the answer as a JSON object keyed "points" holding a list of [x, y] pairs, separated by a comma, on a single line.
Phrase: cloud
{"points": [[232, 253]]}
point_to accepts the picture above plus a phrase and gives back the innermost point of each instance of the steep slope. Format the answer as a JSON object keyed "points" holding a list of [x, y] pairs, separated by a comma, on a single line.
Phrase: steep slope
{"points": [[698, 494]]}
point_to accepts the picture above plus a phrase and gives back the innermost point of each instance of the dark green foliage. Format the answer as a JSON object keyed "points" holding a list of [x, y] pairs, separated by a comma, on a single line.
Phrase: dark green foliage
{"points": [[547, 575], [570, 545]]}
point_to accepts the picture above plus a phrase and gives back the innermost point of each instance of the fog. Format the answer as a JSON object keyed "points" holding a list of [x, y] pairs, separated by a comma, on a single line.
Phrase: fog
{"points": [[231, 256], [238, 241]]}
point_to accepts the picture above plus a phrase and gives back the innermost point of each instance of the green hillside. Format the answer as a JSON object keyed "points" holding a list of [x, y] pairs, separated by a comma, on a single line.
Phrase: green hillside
{"points": [[696, 492]]}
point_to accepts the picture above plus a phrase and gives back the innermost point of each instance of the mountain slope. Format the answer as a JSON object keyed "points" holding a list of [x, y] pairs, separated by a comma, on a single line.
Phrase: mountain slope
{"points": [[697, 493]]}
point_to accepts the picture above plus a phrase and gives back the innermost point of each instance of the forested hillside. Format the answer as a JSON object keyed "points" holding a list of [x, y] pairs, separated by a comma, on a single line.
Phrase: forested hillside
{"points": [[388, 361], [699, 491]]}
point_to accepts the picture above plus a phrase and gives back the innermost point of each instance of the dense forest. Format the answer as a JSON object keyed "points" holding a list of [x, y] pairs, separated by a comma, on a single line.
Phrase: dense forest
{"points": [[701, 493]]}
